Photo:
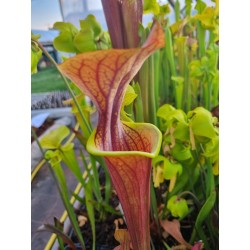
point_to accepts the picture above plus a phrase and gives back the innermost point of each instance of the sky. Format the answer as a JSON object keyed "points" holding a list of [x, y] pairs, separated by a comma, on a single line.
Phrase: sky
{"points": [[44, 13]]}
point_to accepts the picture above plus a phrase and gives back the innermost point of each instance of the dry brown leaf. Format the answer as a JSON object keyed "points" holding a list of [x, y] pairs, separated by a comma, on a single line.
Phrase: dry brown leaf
{"points": [[173, 228], [122, 236]]}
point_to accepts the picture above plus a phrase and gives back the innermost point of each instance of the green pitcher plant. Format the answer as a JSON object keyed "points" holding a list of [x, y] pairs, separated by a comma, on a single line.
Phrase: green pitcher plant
{"points": [[127, 147]]}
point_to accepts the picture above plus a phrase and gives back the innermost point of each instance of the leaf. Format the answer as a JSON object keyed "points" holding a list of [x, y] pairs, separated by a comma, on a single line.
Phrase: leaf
{"points": [[90, 23], [181, 131], [216, 167], [122, 236], [181, 182], [127, 147], [200, 6], [172, 115], [36, 54], [205, 210], [164, 9], [208, 18], [53, 229], [178, 26], [84, 41], [54, 157], [177, 206], [195, 69], [69, 158], [65, 41], [129, 97], [173, 228], [178, 79], [201, 123], [58, 224], [175, 120], [151, 6], [35, 58], [164, 111], [171, 170], [188, 6], [35, 37], [138, 103], [181, 152], [211, 149], [54, 138]]}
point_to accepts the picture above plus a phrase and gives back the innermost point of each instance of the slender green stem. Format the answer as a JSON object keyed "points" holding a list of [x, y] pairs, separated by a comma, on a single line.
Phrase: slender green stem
{"points": [[156, 77], [144, 85], [153, 202], [38, 142], [165, 82], [193, 195], [144, 81], [170, 57], [138, 103], [180, 90], [188, 7], [201, 37], [108, 186], [96, 178], [182, 60], [177, 10], [187, 92], [169, 51], [206, 87], [210, 186], [88, 126], [151, 92], [211, 37], [180, 43]]}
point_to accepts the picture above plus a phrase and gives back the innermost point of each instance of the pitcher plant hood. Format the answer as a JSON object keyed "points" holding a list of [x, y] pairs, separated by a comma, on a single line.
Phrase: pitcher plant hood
{"points": [[127, 147]]}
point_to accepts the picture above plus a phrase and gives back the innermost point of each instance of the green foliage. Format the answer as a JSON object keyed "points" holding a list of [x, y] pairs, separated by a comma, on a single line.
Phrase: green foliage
{"points": [[151, 7], [129, 98], [189, 61], [90, 37], [177, 206], [64, 42], [36, 53], [202, 124], [191, 141], [54, 139]]}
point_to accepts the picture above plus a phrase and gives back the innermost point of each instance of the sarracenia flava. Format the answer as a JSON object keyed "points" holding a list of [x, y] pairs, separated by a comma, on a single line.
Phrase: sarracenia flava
{"points": [[127, 147]]}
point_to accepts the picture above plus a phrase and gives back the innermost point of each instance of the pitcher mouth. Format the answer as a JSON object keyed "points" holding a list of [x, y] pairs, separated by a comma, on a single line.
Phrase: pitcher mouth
{"points": [[92, 149]]}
